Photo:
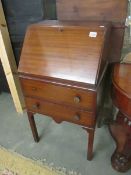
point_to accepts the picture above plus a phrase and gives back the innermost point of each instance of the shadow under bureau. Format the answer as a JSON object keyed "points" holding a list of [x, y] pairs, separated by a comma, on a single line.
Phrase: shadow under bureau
{"points": [[61, 72]]}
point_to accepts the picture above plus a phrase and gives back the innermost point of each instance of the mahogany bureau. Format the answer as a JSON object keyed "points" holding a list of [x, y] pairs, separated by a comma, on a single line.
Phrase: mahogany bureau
{"points": [[61, 71]]}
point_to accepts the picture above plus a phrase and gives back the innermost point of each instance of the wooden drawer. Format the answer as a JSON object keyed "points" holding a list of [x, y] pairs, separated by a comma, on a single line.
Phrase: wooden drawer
{"points": [[59, 94], [61, 113]]}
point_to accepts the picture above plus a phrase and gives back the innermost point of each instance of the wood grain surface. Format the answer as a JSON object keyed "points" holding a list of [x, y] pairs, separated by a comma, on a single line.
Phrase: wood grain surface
{"points": [[65, 51], [61, 70], [63, 95], [60, 112], [122, 78], [121, 93], [121, 128], [102, 10], [114, 11]]}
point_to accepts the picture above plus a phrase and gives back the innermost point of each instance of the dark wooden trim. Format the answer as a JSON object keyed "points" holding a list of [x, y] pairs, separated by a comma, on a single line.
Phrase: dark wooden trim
{"points": [[33, 126]]}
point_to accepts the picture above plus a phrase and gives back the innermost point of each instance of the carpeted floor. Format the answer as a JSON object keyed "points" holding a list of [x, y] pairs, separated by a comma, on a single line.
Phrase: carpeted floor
{"points": [[12, 163], [7, 172], [62, 147]]}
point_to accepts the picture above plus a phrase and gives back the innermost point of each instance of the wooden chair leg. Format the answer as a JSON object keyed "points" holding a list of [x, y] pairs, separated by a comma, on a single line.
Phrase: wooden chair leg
{"points": [[33, 126], [90, 143]]}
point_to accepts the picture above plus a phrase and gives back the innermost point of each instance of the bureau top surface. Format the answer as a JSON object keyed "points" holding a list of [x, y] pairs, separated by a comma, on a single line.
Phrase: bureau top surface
{"points": [[64, 50]]}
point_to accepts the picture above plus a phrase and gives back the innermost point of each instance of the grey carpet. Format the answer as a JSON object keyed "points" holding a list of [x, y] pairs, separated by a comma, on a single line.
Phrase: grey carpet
{"points": [[61, 146]]}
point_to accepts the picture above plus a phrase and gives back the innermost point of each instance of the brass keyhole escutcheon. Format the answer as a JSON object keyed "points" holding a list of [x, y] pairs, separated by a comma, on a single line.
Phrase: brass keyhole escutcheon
{"points": [[61, 29], [77, 99]]}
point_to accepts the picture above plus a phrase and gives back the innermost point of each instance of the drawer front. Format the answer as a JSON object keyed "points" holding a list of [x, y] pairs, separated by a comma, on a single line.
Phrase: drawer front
{"points": [[61, 113], [59, 94]]}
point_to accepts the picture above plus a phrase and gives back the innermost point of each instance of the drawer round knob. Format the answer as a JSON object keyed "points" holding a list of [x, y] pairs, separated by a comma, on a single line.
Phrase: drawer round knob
{"points": [[35, 106], [77, 117], [77, 99]]}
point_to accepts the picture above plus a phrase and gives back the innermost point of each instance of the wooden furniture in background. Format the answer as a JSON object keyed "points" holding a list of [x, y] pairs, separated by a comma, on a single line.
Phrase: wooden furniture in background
{"points": [[82, 10], [121, 129], [61, 72], [9, 64]]}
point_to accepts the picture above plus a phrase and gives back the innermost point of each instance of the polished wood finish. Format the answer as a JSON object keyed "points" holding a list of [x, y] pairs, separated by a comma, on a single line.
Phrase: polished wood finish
{"points": [[33, 126], [122, 79], [61, 112], [90, 143], [114, 11], [74, 97], [61, 72], [78, 56], [121, 129]]}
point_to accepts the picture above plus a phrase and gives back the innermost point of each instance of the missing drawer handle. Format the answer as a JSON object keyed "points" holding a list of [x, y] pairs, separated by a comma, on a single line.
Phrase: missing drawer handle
{"points": [[77, 99], [35, 106], [77, 117]]}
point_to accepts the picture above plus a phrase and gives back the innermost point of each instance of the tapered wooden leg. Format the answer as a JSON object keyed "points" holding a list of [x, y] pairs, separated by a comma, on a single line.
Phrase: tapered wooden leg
{"points": [[33, 126], [90, 143]]}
